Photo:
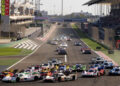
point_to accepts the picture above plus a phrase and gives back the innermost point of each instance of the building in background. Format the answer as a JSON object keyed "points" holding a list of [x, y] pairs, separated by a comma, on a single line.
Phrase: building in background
{"points": [[107, 29]]}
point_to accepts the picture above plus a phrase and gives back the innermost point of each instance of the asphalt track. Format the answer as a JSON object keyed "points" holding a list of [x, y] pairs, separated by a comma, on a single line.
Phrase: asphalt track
{"points": [[47, 51]]}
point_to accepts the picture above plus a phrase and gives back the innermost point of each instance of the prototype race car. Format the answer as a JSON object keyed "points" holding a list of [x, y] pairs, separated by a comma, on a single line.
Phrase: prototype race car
{"points": [[68, 77], [53, 42], [62, 52], [115, 71], [108, 64], [93, 73], [10, 77], [51, 77], [27, 76], [64, 44], [86, 51], [78, 68], [77, 44], [99, 60]]}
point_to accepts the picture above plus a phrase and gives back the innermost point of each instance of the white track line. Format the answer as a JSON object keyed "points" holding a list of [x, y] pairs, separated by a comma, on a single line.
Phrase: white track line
{"points": [[17, 45], [22, 45], [34, 47], [27, 45], [31, 45], [25, 57], [65, 58]]}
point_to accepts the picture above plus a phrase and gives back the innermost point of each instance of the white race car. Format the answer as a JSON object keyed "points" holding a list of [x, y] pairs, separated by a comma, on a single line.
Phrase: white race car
{"points": [[10, 77], [90, 73], [69, 77], [64, 44], [52, 78], [26, 76]]}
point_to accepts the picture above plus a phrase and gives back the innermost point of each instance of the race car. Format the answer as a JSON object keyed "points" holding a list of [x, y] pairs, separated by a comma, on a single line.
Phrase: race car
{"points": [[115, 71], [108, 64], [27, 76], [50, 77], [46, 65], [6, 72], [77, 44], [56, 61], [99, 60], [86, 51], [69, 39], [66, 77], [78, 68], [3, 74], [97, 66], [93, 73], [62, 52], [64, 44], [53, 42], [62, 68]]}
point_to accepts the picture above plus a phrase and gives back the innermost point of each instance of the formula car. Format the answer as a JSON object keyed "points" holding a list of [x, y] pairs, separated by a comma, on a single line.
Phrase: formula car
{"points": [[115, 71], [78, 68]]}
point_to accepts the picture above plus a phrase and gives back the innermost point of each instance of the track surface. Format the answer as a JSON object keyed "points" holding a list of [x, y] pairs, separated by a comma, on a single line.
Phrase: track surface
{"points": [[47, 51]]}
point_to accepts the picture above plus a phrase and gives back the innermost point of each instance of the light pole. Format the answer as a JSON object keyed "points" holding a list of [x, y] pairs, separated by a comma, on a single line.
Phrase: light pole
{"points": [[62, 7]]}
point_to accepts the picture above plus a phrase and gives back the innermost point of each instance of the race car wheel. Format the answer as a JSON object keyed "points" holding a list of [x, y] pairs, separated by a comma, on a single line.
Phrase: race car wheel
{"points": [[22, 70], [98, 74], [17, 79], [59, 79], [73, 78], [104, 73], [36, 78]]}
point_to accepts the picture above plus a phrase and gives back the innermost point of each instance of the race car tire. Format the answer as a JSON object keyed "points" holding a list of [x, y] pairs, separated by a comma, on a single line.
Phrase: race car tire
{"points": [[59, 79], [36, 78], [104, 73], [15, 71], [17, 79], [98, 74], [73, 78], [22, 70]]}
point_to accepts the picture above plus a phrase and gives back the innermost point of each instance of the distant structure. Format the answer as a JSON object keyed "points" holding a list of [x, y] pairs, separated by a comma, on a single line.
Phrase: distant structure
{"points": [[25, 8], [83, 13], [107, 29]]}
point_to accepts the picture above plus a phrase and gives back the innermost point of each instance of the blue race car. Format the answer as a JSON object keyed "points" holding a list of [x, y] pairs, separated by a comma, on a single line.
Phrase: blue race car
{"points": [[115, 71]]}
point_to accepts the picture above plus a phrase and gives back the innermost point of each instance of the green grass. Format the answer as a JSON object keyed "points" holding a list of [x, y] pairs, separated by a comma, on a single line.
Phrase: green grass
{"points": [[115, 56], [8, 61], [7, 51], [91, 43], [11, 44]]}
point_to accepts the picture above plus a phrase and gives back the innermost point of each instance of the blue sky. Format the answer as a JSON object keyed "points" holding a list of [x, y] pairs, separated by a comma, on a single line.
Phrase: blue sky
{"points": [[54, 6]]}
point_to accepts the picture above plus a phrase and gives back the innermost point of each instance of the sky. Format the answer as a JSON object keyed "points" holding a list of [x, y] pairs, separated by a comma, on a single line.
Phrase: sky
{"points": [[70, 6]]}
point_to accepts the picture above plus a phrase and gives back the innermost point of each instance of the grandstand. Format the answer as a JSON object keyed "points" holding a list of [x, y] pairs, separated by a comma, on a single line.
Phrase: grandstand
{"points": [[107, 29]]}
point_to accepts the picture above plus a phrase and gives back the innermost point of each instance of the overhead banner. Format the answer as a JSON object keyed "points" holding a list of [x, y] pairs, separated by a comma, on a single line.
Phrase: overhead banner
{"points": [[5, 7]]}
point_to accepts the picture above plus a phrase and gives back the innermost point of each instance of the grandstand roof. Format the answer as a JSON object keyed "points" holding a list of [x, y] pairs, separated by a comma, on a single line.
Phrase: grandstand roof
{"points": [[91, 2]]}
